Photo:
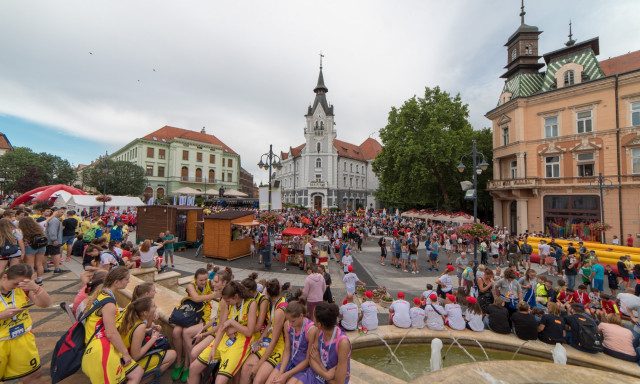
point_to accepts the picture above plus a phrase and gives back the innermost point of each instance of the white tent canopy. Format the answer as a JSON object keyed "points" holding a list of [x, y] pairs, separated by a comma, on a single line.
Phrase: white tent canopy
{"points": [[83, 201], [234, 193], [186, 191]]}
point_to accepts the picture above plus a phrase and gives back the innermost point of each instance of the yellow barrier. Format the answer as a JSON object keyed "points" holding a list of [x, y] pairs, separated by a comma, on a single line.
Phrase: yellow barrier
{"points": [[607, 257], [591, 245]]}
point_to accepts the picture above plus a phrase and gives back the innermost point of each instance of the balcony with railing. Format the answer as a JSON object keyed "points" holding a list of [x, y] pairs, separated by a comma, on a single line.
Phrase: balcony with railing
{"points": [[318, 184]]}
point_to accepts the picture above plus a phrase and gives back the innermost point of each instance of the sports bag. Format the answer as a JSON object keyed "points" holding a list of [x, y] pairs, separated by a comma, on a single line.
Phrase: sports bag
{"points": [[187, 314], [38, 242], [67, 355], [8, 248], [90, 235], [587, 335]]}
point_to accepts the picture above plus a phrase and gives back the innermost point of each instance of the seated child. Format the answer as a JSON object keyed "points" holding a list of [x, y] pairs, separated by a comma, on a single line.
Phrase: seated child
{"points": [[609, 306], [581, 296], [595, 308], [434, 313], [417, 314], [538, 313], [473, 315], [453, 313]]}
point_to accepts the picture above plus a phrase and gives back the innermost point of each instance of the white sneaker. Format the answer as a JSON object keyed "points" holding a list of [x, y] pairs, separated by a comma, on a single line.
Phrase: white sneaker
{"points": [[413, 272]]}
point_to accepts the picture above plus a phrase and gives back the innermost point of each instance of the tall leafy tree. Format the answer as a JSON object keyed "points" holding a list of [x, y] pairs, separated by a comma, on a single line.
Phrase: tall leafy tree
{"points": [[24, 170], [422, 145], [122, 178]]}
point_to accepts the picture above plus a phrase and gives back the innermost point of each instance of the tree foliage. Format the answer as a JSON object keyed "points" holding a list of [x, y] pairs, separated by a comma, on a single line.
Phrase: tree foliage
{"points": [[422, 145], [123, 178], [24, 170]]}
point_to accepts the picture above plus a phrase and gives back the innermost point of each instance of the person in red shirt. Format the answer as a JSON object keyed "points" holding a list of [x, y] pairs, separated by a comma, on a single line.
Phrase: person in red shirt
{"points": [[581, 296], [609, 305], [630, 241]]}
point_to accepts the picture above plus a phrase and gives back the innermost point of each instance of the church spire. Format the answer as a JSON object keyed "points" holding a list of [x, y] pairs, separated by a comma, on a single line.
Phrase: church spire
{"points": [[522, 12], [571, 41], [321, 88]]}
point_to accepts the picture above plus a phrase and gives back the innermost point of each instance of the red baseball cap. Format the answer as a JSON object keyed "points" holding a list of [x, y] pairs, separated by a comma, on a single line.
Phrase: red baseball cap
{"points": [[433, 297], [472, 300], [350, 268], [400, 295], [344, 302], [451, 298], [450, 268], [416, 300], [369, 294]]}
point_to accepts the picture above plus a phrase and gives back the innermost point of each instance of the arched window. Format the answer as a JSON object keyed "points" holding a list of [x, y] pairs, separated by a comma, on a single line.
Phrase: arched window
{"points": [[316, 124], [198, 174], [212, 175], [528, 50], [185, 173], [160, 193], [321, 125], [569, 78], [318, 147], [318, 163]]}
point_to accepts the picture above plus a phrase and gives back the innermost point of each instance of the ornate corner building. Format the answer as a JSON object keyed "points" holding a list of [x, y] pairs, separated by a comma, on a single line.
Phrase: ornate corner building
{"points": [[555, 130], [325, 172]]}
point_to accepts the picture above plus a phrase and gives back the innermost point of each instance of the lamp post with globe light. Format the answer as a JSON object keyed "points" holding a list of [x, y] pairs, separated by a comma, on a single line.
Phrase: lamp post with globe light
{"points": [[269, 161], [478, 168]]}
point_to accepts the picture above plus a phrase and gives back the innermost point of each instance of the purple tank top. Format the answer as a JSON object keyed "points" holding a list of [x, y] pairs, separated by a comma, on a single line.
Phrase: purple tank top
{"points": [[299, 344], [329, 352]]}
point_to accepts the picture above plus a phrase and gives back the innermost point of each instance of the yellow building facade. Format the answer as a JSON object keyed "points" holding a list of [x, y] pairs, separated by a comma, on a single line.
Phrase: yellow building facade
{"points": [[555, 131]]}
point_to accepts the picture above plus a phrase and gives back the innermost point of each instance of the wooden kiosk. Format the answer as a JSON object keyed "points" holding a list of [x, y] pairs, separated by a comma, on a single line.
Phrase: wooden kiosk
{"points": [[180, 220], [223, 238]]}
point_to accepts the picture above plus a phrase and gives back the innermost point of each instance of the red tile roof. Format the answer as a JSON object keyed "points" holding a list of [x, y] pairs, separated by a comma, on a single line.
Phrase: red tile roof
{"points": [[296, 151], [4, 142], [371, 148], [348, 150], [169, 133], [621, 64]]}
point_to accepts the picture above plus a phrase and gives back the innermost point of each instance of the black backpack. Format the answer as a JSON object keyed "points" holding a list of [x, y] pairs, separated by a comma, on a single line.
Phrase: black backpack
{"points": [[380, 241], [588, 336], [187, 314], [69, 350], [8, 248]]}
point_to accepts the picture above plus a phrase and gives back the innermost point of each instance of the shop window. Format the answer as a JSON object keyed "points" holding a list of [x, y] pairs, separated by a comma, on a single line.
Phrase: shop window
{"points": [[551, 126], [552, 169], [584, 121]]}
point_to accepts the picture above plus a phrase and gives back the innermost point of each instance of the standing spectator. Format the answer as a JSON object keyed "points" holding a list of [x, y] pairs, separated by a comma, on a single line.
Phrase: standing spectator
{"points": [[160, 240], [327, 296], [597, 276], [526, 249], [461, 264], [314, 287], [623, 272], [350, 280], [382, 242], [570, 266], [69, 226], [168, 242], [54, 241], [116, 232], [494, 250], [629, 240], [307, 256], [544, 251]]}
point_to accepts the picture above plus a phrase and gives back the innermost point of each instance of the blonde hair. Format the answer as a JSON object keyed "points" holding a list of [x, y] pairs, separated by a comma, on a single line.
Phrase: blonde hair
{"points": [[6, 232], [612, 318]]}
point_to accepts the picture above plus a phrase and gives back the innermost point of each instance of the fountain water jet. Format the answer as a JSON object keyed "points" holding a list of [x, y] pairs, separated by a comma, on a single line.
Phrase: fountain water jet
{"points": [[436, 354]]}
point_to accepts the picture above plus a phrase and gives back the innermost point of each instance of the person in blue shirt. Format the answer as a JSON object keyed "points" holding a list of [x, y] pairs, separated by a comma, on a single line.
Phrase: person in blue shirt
{"points": [[597, 276], [433, 256], [116, 232]]}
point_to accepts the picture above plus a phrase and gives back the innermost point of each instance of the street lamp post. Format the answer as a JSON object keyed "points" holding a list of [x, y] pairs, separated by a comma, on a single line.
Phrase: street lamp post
{"points": [[477, 170], [104, 186], [269, 161], [602, 184]]}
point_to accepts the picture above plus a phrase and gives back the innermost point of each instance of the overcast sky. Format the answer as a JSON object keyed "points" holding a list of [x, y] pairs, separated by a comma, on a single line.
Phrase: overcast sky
{"points": [[78, 78]]}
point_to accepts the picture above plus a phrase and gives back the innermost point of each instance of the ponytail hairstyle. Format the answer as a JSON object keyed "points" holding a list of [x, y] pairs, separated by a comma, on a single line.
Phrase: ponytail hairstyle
{"points": [[250, 284], [97, 280], [141, 290], [474, 308], [112, 245], [273, 288], [224, 276], [91, 248], [297, 307], [234, 288], [133, 314], [100, 242], [253, 276], [17, 270], [117, 273]]}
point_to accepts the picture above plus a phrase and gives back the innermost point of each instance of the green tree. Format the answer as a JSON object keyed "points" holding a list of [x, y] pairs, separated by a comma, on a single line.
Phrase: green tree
{"points": [[123, 178], [24, 170], [422, 145]]}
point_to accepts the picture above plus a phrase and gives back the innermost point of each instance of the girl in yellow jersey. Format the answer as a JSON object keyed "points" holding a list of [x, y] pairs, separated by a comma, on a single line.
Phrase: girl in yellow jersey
{"points": [[140, 313], [18, 353], [204, 339], [232, 344], [263, 304], [200, 291], [259, 365], [106, 359]]}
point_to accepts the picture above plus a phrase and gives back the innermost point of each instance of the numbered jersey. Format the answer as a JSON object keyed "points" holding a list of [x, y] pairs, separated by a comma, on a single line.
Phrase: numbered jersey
{"points": [[21, 323]]}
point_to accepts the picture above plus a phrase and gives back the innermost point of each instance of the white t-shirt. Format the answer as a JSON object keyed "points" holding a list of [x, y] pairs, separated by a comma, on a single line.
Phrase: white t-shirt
{"points": [[148, 256], [106, 258], [369, 311], [447, 284], [544, 249], [401, 317], [18, 235], [494, 248], [349, 313], [417, 317], [454, 316], [307, 249], [475, 321], [350, 280], [346, 262], [434, 317], [426, 295]]}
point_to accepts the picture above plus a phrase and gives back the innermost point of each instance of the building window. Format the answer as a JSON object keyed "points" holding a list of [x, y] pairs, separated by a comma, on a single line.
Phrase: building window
{"points": [[351, 167], [528, 50], [185, 155], [585, 122], [161, 154], [635, 114], [318, 163], [160, 171], [150, 153], [184, 173], [585, 164], [552, 166], [513, 169], [230, 163], [149, 170], [199, 174], [344, 181], [635, 161], [199, 157], [351, 182], [222, 173], [514, 54], [345, 166], [551, 127], [212, 175], [212, 159], [569, 78], [318, 177], [229, 178], [318, 147], [505, 136]]}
